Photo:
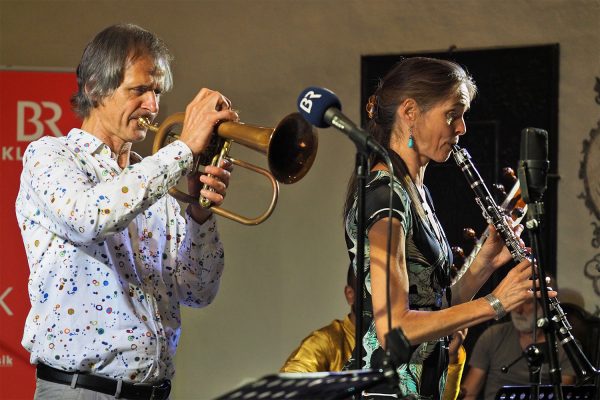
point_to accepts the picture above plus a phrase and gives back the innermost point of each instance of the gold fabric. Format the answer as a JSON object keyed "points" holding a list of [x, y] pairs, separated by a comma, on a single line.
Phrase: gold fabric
{"points": [[326, 349], [455, 372]]}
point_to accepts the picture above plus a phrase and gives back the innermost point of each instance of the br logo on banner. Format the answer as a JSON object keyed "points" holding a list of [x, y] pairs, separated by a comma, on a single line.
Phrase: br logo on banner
{"points": [[32, 104]]}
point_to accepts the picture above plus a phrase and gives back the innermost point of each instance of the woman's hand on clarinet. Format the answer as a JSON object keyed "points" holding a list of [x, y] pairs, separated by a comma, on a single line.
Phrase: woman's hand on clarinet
{"points": [[494, 252], [516, 287]]}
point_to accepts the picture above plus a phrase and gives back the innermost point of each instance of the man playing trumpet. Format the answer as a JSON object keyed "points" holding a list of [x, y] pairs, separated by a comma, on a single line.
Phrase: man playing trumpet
{"points": [[111, 257]]}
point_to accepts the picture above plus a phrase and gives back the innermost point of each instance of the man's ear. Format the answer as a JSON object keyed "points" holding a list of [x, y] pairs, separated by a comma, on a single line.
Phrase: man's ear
{"points": [[349, 293], [88, 93]]}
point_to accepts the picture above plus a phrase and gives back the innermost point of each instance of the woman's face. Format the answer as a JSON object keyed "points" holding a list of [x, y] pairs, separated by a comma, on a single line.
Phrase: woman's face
{"points": [[437, 129]]}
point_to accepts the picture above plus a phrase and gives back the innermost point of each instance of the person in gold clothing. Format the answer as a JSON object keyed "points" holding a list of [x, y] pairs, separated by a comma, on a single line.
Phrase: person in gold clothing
{"points": [[330, 347]]}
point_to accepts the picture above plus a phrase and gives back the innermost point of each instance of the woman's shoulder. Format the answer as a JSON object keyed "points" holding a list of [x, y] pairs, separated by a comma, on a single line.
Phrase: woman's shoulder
{"points": [[380, 178]]}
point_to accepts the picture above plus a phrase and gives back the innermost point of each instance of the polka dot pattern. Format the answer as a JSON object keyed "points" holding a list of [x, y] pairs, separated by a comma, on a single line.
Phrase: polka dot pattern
{"points": [[111, 257]]}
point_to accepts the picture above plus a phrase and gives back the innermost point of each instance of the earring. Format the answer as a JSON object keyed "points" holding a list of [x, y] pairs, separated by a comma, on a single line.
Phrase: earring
{"points": [[411, 139]]}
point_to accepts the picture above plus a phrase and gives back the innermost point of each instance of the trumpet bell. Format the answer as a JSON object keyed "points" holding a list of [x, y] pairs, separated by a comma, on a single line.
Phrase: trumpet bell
{"points": [[290, 147], [292, 150]]}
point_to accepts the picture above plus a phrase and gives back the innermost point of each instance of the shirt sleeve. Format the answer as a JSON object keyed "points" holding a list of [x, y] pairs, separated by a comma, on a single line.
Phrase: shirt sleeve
{"points": [[200, 263], [377, 201], [311, 356], [480, 357], [70, 202]]}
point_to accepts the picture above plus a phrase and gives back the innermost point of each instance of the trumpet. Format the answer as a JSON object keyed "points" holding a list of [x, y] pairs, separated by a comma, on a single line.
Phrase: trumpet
{"points": [[290, 147], [583, 368]]}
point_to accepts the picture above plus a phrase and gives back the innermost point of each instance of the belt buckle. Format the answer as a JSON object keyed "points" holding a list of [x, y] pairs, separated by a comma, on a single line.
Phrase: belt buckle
{"points": [[161, 391]]}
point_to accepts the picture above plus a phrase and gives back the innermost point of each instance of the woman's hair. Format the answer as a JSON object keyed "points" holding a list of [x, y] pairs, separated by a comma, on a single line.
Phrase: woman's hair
{"points": [[428, 81], [105, 58]]}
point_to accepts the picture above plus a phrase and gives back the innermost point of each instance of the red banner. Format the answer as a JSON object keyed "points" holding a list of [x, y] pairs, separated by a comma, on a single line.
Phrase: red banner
{"points": [[32, 104]]}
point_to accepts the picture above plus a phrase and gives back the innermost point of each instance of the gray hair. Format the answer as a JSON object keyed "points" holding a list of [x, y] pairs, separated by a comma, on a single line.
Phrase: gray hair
{"points": [[105, 58]]}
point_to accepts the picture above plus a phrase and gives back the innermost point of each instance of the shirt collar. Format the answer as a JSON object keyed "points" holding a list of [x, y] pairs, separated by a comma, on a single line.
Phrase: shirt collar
{"points": [[85, 141]]}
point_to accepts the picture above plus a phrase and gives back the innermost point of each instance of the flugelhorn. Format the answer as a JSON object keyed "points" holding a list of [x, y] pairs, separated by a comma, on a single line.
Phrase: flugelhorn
{"points": [[290, 147]]}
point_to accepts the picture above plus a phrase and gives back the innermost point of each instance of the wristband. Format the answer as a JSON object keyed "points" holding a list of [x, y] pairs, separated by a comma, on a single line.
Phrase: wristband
{"points": [[496, 305]]}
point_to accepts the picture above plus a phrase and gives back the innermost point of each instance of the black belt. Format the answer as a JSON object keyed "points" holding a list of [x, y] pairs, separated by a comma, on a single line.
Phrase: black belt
{"points": [[117, 388]]}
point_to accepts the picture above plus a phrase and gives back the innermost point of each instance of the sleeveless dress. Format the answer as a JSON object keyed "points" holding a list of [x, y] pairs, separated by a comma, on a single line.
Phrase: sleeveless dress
{"points": [[428, 259]]}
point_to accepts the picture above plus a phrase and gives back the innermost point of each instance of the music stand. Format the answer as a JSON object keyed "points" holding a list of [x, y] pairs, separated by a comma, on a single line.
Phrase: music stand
{"points": [[546, 392], [329, 385], [314, 385]]}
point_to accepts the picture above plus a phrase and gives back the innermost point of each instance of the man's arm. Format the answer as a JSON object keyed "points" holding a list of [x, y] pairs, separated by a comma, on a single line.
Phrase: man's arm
{"points": [[313, 355], [472, 384], [200, 262], [64, 196], [479, 365]]}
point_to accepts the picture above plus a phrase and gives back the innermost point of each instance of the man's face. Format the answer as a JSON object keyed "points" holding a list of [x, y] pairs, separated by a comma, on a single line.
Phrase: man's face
{"points": [[523, 316], [137, 96]]}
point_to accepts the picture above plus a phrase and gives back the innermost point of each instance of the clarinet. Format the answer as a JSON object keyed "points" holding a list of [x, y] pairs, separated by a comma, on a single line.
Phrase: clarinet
{"points": [[495, 215], [505, 206]]}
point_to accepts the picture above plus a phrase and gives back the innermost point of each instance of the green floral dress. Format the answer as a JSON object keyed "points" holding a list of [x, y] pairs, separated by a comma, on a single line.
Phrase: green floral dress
{"points": [[428, 260]]}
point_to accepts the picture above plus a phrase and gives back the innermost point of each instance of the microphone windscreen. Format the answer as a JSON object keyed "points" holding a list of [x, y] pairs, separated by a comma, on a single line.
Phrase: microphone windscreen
{"points": [[314, 102], [534, 144], [533, 164]]}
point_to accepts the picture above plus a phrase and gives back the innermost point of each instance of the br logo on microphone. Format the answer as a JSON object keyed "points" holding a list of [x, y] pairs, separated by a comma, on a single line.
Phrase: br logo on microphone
{"points": [[306, 102]]}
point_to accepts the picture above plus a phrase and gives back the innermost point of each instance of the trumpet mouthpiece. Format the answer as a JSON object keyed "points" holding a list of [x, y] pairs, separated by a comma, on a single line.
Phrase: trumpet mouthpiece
{"points": [[144, 122]]}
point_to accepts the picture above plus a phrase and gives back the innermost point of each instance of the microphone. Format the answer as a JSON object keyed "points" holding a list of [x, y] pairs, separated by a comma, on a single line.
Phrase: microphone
{"points": [[533, 164], [322, 108], [533, 354]]}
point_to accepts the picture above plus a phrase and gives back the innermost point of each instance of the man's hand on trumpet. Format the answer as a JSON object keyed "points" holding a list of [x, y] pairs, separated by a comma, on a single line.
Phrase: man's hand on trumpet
{"points": [[216, 178], [201, 115]]}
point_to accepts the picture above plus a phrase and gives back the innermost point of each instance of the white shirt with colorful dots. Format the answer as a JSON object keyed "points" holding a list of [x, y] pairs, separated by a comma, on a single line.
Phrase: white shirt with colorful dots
{"points": [[111, 257]]}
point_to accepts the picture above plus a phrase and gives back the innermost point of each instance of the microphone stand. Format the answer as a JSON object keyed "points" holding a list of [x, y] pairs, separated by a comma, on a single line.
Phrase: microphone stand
{"points": [[535, 212], [362, 171], [364, 147], [535, 358]]}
